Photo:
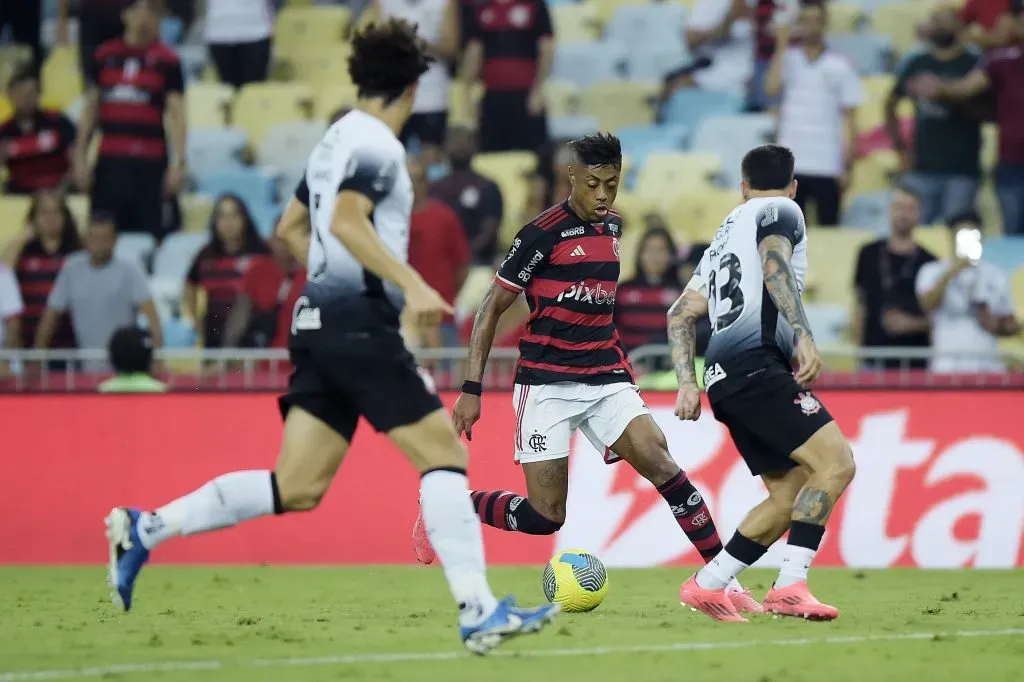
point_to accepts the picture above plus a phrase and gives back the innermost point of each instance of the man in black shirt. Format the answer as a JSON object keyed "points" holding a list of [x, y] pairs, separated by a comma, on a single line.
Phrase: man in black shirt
{"points": [[888, 313]]}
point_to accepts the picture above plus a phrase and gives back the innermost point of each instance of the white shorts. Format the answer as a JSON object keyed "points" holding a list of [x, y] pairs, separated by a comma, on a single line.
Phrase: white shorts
{"points": [[548, 414]]}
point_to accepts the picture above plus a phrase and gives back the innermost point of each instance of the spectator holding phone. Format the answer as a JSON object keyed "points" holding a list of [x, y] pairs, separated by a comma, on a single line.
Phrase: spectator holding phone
{"points": [[968, 301]]}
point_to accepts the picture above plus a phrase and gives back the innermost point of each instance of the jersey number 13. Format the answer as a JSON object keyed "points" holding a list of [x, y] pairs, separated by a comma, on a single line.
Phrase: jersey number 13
{"points": [[728, 268]]}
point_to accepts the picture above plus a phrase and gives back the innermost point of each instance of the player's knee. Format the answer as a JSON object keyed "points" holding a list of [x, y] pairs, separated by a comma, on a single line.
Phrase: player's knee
{"points": [[842, 467], [656, 464], [297, 497]]}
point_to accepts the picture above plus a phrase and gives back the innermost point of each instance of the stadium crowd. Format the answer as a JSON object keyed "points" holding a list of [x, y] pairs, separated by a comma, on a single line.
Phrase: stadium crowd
{"points": [[148, 148]]}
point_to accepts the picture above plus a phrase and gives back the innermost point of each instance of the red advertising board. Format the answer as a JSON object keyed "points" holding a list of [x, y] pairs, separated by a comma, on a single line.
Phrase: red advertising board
{"points": [[940, 482]]}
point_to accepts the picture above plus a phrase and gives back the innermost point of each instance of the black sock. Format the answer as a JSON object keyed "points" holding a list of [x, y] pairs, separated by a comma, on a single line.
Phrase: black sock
{"points": [[742, 548], [692, 515], [507, 510], [803, 534]]}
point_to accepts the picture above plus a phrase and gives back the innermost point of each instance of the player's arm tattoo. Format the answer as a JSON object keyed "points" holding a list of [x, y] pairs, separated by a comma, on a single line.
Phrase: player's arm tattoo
{"points": [[496, 302], [781, 283], [682, 333], [813, 505]]}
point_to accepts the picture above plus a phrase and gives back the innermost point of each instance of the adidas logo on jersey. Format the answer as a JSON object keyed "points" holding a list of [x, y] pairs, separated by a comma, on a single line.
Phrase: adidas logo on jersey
{"points": [[584, 294], [712, 375], [578, 251]]}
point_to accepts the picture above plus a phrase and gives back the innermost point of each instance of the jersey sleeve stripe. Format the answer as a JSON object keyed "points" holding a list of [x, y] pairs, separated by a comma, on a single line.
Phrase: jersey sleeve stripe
{"points": [[505, 284]]}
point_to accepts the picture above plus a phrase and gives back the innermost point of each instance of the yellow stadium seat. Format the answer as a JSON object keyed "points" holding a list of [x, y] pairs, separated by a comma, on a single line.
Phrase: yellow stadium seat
{"points": [[12, 57], [196, 210], [321, 65], [299, 28], [845, 17], [666, 174], [78, 204], [620, 103], [901, 21], [13, 211], [576, 22], [874, 173], [562, 98], [6, 110], [260, 105], [61, 79], [935, 238], [457, 114], [207, 104], [478, 281], [871, 113], [328, 99], [1017, 290], [633, 208], [509, 171], [697, 215], [606, 8], [832, 257], [989, 146]]}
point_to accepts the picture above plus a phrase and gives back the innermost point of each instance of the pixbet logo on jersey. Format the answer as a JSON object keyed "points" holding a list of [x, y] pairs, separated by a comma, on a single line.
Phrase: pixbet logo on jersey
{"points": [[587, 294]]}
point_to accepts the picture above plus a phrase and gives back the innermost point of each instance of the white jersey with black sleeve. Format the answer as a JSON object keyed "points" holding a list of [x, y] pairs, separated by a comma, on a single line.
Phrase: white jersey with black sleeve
{"points": [[750, 340], [358, 153]]}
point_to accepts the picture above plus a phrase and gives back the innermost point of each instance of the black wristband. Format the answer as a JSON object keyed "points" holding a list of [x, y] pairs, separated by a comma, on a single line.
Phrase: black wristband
{"points": [[472, 387]]}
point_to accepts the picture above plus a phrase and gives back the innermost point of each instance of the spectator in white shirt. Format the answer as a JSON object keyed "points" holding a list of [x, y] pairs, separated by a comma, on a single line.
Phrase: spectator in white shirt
{"points": [[11, 307], [817, 118], [969, 304], [238, 33]]}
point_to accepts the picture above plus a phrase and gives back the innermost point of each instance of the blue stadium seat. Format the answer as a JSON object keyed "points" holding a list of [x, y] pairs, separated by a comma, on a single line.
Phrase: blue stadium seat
{"points": [[176, 253], [730, 137], [194, 59], [690, 107], [653, 61], [211, 150], [869, 211], [135, 247], [647, 23], [639, 141], [265, 216], [1007, 253], [570, 127], [178, 333], [586, 63], [253, 185], [870, 53], [171, 29], [288, 145]]}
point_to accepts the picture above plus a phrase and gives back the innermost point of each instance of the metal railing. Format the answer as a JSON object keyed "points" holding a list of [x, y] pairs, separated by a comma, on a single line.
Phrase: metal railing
{"points": [[198, 369]]}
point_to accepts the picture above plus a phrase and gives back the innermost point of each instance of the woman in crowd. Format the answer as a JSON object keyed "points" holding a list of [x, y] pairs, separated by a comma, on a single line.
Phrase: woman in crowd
{"points": [[642, 302], [36, 255], [220, 268]]}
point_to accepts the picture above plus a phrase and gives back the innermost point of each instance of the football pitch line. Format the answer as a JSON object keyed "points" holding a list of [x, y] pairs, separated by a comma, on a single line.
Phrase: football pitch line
{"points": [[423, 657]]}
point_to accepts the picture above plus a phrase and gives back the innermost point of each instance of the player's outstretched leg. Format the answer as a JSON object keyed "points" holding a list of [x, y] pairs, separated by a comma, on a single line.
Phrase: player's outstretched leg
{"points": [[829, 458], [454, 532], [310, 454]]}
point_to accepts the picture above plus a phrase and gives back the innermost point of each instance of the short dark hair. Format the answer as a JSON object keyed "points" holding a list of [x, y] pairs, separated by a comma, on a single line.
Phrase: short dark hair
{"points": [[969, 216], [598, 149], [904, 188], [24, 73], [131, 350], [768, 167], [387, 58], [101, 217]]}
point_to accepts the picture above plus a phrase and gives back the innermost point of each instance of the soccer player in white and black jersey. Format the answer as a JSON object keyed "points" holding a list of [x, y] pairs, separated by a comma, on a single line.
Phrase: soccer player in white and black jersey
{"points": [[749, 281], [349, 224]]}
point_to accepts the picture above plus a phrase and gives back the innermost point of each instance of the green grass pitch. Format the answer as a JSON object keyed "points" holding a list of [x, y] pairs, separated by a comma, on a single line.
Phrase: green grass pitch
{"points": [[388, 623]]}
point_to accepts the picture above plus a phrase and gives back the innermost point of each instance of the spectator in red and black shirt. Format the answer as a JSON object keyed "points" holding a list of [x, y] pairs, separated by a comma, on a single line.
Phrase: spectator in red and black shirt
{"points": [[136, 81], [510, 48], [36, 256], [261, 315], [35, 145], [220, 268], [642, 303]]}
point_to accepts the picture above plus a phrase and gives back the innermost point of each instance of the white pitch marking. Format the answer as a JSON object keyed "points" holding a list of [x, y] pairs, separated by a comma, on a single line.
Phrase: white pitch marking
{"points": [[359, 659]]}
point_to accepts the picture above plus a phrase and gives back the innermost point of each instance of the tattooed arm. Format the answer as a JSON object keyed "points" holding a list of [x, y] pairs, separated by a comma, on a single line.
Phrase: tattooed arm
{"points": [[780, 281], [682, 333]]}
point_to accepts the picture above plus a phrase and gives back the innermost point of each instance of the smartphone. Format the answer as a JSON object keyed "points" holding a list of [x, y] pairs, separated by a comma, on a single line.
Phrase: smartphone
{"points": [[968, 244]]}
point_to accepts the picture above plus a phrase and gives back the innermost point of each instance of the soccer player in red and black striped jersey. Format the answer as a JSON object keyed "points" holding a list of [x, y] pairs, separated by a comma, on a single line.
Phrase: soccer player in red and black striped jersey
{"points": [[135, 80], [573, 372]]}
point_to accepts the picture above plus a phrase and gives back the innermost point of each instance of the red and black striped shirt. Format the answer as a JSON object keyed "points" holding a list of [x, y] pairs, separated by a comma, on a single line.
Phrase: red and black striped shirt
{"points": [[569, 269], [134, 83], [36, 151], [510, 32], [640, 312], [37, 271], [222, 278]]}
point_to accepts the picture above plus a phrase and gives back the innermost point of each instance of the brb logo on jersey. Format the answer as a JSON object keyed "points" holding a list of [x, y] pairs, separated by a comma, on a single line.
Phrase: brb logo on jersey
{"points": [[586, 294]]}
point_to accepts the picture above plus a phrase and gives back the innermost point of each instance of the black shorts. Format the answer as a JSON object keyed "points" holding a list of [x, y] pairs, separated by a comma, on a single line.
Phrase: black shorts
{"points": [[428, 128], [506, 125], [345, 371], [132, 192], [769, 420]]}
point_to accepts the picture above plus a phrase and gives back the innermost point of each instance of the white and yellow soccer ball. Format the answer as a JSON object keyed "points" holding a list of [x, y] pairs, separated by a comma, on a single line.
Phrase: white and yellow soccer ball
{"points": [[576, 580]]}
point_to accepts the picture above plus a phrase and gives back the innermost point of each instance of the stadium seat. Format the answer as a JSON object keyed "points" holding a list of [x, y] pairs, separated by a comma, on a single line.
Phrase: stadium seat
{"points": [[832, 256], [845, 17], [207, 104], [697, 214], [176, 253], [620, 103], [607, 8], [652, 23], [78, 204], [260, 105], [329, 99], [1017, 290], [61, 78], [586, 63], [935, 238], [253, 186], [571, 127], [135, 247], [874, 173], [13, 212], [214, 149], [171, 30], [633, 208], [668, 173], [870, 53], [690, 107], [6, 109], [900, 21], [653, 61], [508, 170], [178, 333], [296, 28], [196, 210], [730, 137], [829, 323], [642, 140], [562, 98], [1006, 253], [868, 211], [288, 145], [576, 23], [457, 114], [194, 60], [320, 65], [265, 216]]}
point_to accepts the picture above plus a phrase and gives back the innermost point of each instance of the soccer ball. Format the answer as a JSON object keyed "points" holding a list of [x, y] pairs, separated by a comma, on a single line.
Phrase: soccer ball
{"points": [[576, 580]]}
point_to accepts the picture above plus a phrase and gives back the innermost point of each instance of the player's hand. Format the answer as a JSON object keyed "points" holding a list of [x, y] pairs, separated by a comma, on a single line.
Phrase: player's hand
{"points": [[466, 413], [688, 402], [808, 361], [960, 264], [425, 306]]}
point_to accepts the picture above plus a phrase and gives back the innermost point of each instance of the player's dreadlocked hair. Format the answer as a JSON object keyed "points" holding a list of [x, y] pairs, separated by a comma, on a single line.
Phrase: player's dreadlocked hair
{"points": [[387, 58], [598, 149]]}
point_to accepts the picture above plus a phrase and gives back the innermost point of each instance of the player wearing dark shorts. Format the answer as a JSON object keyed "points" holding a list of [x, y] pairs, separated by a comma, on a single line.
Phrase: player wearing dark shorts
{"points": [[749, 282], [349, 225]]}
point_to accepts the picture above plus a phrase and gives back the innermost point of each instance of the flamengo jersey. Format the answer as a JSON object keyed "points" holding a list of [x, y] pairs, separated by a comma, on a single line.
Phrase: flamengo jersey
{"points": [[568, 269], [750, 340], [361, 154]]}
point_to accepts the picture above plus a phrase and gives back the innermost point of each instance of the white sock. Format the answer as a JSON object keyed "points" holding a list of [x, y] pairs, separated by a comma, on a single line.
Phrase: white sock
{"points": [[721, 571], [795, 562], [454, 531], [223, 502]]}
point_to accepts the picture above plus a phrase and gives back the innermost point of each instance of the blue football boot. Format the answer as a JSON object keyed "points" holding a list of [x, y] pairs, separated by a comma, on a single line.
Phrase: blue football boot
{"points": [[507, 621], [127, 554]]}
